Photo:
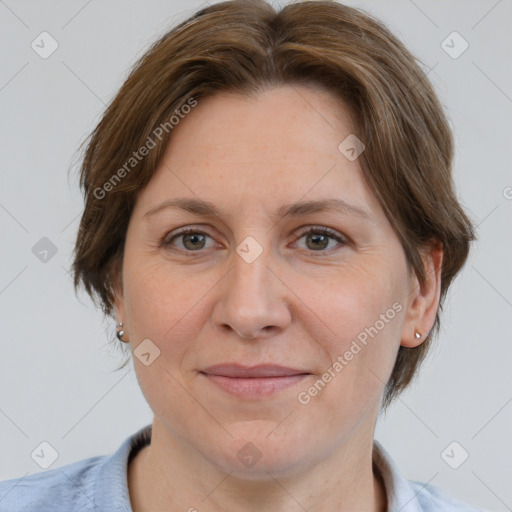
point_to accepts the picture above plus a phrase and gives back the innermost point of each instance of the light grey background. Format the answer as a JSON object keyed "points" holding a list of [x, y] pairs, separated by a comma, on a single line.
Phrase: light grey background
{"points": [[57, 378]]}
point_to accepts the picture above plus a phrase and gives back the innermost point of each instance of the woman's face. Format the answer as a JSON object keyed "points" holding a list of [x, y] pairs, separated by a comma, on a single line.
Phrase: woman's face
{"points": [[251, 287]]}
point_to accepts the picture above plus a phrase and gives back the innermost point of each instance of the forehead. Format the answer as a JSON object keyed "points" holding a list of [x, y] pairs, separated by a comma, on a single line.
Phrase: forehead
{"points": [[277, 147], [293, 118]]}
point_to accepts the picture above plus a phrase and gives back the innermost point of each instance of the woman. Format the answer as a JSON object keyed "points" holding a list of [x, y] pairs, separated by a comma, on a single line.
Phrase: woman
{"points": [[270, 218]]}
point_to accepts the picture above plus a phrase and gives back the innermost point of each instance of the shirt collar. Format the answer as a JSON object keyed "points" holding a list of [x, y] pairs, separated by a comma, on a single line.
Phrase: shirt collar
{"points": [[401, 497], [112, 481]]}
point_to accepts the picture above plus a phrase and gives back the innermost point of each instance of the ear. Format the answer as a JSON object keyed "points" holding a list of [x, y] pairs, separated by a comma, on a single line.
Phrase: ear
{"points": [[119, 305], [423, 302], [119, 310]]}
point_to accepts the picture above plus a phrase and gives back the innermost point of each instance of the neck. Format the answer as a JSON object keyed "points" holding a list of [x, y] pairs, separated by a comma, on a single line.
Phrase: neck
{"points": [[169, 475]]}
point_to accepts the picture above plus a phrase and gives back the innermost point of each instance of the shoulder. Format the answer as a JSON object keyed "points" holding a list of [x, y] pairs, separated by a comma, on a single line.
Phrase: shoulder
{"points": [[412, 496], [67, 488], [93, 484], [433, 498]]}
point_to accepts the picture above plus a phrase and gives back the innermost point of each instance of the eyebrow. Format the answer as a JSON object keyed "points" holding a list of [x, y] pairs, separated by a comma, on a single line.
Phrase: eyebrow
{"points": [[299, 209]]}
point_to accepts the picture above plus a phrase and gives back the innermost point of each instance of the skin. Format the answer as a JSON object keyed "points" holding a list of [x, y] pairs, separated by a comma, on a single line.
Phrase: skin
{"points": [[297, 304]]}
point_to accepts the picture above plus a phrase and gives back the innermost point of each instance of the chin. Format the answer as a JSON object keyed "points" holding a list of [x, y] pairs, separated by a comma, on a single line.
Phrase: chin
{"points": [[254, 452]]}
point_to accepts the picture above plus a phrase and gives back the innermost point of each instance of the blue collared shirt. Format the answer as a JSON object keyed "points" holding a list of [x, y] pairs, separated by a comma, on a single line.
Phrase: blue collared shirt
{"points": [[99, 484]]}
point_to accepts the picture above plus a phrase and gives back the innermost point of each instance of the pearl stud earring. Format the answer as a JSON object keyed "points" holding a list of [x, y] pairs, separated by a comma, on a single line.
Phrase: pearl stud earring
{"points": [[120, 332]]}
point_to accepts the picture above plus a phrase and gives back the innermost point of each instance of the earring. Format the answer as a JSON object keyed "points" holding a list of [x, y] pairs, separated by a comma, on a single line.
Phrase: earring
{"points": [[417, 335], [120, 332]]}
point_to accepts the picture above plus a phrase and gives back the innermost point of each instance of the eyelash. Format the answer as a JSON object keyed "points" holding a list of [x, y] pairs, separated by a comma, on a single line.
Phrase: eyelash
{"points": [[317, 230]]}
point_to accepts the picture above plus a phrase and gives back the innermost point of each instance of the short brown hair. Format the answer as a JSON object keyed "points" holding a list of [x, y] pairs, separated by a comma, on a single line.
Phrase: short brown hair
{"points": [[245, 46]]}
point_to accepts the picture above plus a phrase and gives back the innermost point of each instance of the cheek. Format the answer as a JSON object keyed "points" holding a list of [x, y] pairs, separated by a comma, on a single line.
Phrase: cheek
{"points": [[160, 304], [358, 315], [353, 299], [163, 309]]}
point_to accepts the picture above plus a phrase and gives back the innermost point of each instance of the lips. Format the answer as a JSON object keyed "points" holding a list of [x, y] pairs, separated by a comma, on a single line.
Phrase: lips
{"points": [[252, 372], [253, 382]]}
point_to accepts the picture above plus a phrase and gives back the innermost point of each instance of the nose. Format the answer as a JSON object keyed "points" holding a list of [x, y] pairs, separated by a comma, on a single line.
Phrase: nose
{"points": [[252, 300]]}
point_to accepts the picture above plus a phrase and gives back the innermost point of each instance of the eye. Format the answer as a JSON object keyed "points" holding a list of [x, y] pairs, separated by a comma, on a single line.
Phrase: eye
{"points": [[191, 239], [318, 238]]}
